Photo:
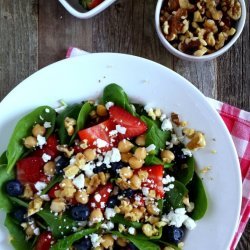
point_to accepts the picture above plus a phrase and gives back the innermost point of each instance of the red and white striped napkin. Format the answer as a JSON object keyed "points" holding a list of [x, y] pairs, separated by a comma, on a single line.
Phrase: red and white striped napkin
{"points": [[238, 124]]}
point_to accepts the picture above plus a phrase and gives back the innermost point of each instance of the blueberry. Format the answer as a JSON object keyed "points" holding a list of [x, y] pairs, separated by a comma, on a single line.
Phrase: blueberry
{"points": [[129, 193], [20, 214], [173, 234], [179, 155], [114, 167], [80, 212], [112, 202], [83, 244], [102, 168], [130, 246], [14, 188], [61, 163]]}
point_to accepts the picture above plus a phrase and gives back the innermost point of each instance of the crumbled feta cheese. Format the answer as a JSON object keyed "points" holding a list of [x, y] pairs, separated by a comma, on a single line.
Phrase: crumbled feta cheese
{"points": [[150, 148], [148, 107], [189, 223], [98, 197], [174, 139], [186, 152], [36, 231], [40, 185], [41, 140], [120, 129], [166, 125], [175, 218], [79, 181], [112, 156], [47, 124], [131, 230], [72, 161], [101, 143], [113, 133], [88, 169], [109, 213], [45, 197], [145, 191], [108, 226], [163, 117], [95, 240], [46, 157], [168, 179], [109, 105]]}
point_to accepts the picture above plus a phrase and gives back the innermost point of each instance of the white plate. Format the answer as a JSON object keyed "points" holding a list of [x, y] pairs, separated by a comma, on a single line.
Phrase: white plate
{"points": [[81, 78]]}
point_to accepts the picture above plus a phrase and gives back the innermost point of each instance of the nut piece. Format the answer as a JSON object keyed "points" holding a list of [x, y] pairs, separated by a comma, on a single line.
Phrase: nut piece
{"points": [[35, 206], [96, 216], [71, 171], [167, 156], [126, 173], [235, 10], [90, 154], [58, 205], [69, 124], [107, 241], [64, 148], [135, 182], [82, 197], [197, 141], [135, 163]]}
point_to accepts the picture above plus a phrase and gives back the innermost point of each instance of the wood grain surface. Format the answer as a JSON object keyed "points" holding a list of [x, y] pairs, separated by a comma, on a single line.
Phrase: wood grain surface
{"points": [[36, 33]]}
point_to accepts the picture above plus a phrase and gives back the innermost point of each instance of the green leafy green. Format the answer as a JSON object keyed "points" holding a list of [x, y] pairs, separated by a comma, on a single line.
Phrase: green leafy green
{"points": [[60, 225], [185, 172], [174, 197], [17, 236], [197, 195], [71, 111], [4, 177], [23, 129], [3, 158], [114, 93], [82, 118], [118, 218], [154, 160], [140, 109], [18, 201], [140, 241], [56, 179], [155, 135], [68, 241]]}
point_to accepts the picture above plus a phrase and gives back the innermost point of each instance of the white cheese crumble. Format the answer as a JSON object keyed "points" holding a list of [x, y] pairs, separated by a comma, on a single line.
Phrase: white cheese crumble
{"points": [[101, 143], [108, 226], [109, 105], [88, 169], [145, 191], [112, 156], [36, 231], [166, 125], [79, 181], [95, 240], [163, 117], [98, 197], [150, 148], [186, 152], [41, 140], [46, 157], [168, 179], [47, 124], [45, 197], [113, 133], [109, 213], [120, 129], [40, 185], [189, 223], [131, 230]]}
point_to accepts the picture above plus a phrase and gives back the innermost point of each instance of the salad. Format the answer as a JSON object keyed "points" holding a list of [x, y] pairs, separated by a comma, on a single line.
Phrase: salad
{"points": [[90, 4], [104, 174]]}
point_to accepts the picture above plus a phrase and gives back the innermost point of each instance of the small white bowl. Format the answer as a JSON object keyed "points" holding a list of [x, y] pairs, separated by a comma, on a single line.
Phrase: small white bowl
{"points": [[67, 4], [239, 27]]}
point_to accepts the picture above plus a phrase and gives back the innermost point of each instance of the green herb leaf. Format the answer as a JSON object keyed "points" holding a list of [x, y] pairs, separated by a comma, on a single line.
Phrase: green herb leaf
{"points": [[114, 93], [118, 218], [68, 241], [71, 111], [23, 129], [197, 195], [18, 201], [3, 158], [155, 135], [17, 235], [82, 118], [174, 197], [4, 177]]}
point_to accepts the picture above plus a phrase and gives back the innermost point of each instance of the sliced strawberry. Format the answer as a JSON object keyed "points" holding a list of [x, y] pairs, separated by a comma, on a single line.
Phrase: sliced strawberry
{"points": [[154, 180], [30, 170], [100, 198], [98, 135], [90, 4], [44, 241], [50, 148], [134, 126]]}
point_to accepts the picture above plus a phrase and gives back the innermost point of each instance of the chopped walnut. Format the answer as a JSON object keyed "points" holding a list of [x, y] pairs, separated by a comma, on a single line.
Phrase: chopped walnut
{"points": [[197, 141], [64, 148], [69, 124]]}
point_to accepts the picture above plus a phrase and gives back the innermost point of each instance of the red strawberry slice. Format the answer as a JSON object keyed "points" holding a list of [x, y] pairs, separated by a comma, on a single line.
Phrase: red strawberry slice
{"points": [[99, 132], [44, 241], [100, 198], [134, 126], [90, 4], [154, 180], [30, 170]]}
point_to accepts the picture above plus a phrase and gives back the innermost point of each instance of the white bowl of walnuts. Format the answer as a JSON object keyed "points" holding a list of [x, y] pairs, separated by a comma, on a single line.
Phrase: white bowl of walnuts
{"points": [[199, 30]]}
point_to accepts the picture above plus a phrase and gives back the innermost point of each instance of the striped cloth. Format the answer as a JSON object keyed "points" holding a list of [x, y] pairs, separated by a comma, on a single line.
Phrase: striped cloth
{"points": [[238, 124]]}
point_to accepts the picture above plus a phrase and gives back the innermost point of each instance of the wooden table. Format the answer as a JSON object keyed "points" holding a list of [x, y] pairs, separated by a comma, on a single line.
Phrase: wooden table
{"points": [[36, 33]]}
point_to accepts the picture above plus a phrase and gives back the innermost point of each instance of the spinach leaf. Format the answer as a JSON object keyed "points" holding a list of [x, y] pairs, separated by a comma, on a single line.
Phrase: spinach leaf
{"points": [[154, 160], [3, 158], [23, 129], [18, 201], [118, 218], [114, 93], [140, 109], [71, 111], [174, 197], [67, 242], [17, 235], [60, 225], [140, 241], [56, 179], [155, 135], [197, 195], [82, 118], [4, 177], [185, 172]]}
